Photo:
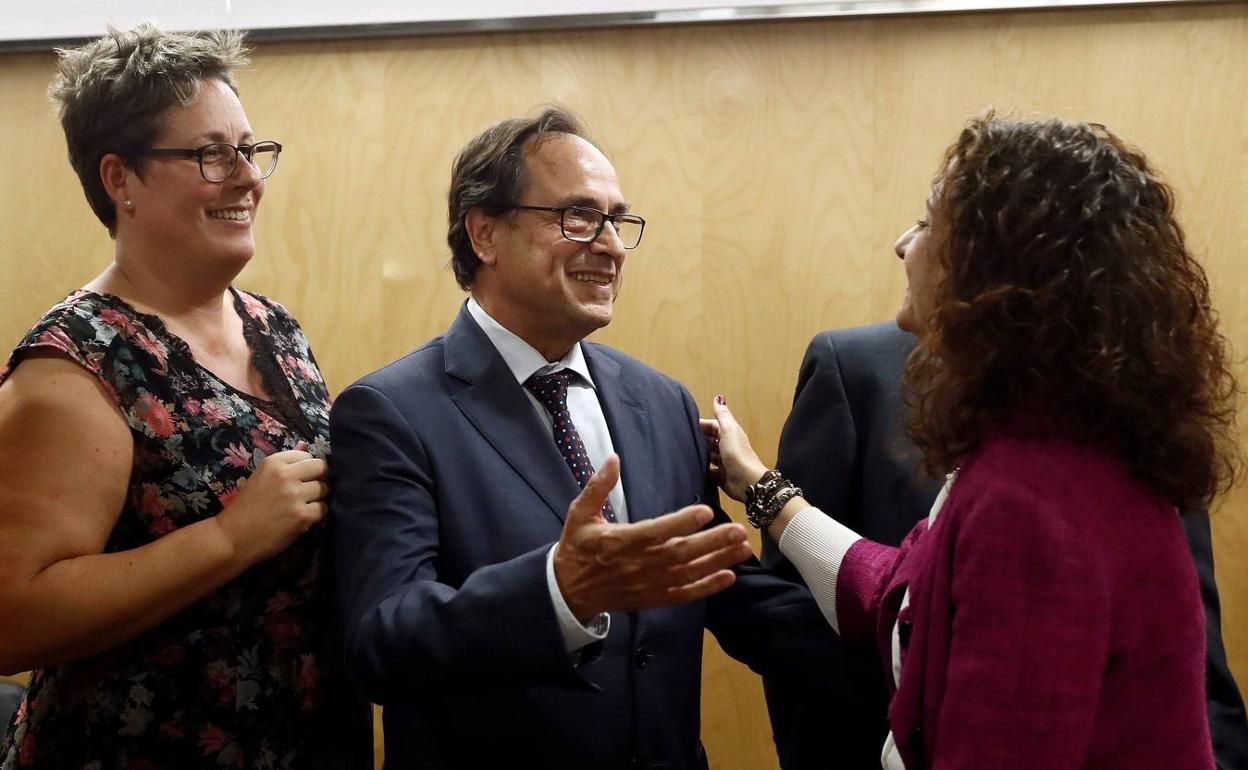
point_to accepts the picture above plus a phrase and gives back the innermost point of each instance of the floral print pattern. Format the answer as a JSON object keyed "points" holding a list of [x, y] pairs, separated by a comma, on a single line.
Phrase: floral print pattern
{"points": [[249, 676]]}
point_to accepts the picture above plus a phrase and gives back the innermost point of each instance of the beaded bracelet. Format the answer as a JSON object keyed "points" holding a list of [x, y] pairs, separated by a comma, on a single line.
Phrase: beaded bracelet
{"points": [[764, 488], [765, 498]]}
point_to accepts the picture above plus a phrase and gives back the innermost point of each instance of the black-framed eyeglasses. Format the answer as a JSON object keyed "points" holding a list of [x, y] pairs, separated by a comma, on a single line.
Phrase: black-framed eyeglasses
{"points": [[218, 161], [584, 224]]}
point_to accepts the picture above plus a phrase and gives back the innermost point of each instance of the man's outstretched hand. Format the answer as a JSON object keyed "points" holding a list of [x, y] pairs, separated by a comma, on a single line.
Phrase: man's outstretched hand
{"points": [[605, 567]]}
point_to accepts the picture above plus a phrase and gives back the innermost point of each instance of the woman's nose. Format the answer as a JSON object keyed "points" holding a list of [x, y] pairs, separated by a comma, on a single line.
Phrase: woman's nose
{"points": [[899, 248]]}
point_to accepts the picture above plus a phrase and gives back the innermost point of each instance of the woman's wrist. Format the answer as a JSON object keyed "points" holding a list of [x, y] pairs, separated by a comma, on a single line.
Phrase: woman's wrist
{"points": [[739, 482], [794, 506], [756, 473]]}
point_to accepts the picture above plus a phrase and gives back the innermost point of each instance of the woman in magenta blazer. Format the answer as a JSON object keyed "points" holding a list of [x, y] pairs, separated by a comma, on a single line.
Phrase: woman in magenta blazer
{"points": [[1071, 381]]}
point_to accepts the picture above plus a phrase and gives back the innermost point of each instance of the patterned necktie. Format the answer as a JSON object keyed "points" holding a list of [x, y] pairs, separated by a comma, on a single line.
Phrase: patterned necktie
{"points": [[552, 391]]}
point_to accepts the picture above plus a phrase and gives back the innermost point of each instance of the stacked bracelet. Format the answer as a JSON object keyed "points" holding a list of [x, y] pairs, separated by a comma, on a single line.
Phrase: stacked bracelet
{"points": [[765, 498]]}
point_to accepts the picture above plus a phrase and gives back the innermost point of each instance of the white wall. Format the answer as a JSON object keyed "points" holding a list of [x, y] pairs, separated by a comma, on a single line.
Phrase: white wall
{"points": [[39, 23]]}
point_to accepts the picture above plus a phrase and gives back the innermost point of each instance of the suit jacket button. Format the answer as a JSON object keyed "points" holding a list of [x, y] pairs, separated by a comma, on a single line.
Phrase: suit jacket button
{"points": [[641, 657], [915, 741]]}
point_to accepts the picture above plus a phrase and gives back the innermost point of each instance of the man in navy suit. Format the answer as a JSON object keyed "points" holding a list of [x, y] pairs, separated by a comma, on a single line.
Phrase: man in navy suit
{"points": [[504, 615], [844, 444]]}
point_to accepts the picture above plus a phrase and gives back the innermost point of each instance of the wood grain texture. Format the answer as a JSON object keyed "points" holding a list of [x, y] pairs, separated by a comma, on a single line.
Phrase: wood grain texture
{"points": [[775, 162]]}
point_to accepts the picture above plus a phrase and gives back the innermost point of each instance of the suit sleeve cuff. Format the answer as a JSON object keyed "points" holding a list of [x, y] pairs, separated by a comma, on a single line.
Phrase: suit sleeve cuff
{"points": [[575, 635], [816, 544]]}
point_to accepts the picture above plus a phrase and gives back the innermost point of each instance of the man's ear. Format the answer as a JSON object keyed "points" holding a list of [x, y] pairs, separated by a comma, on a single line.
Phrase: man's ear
{"points": [[482, 232]]}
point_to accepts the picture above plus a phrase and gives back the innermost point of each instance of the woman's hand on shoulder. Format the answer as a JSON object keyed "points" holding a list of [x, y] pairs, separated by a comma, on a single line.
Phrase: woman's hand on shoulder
{"points": [[282, 499], [734, 462]]}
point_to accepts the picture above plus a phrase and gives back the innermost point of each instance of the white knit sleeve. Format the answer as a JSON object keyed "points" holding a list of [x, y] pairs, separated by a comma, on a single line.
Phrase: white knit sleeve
{"points": [[816, 544]]}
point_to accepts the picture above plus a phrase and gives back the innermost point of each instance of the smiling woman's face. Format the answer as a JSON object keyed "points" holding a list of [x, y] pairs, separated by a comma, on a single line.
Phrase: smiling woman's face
{"points": [[917, 249], [174, 208]]}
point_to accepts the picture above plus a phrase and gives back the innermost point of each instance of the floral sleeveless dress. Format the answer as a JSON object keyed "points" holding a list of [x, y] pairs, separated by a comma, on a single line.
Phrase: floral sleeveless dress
{"points": [[249, 676]]}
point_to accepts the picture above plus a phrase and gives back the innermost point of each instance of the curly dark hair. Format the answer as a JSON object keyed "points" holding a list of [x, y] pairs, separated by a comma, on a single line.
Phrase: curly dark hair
{"points": [[489, 172], [1069, 296]]}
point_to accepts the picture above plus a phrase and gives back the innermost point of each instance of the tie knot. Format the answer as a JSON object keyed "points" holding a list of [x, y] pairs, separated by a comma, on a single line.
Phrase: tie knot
{"points": [[551, 389]]}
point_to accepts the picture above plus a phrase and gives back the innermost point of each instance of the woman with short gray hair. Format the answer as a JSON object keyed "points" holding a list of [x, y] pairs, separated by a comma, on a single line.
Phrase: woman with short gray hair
{"points": [[162, 442]]}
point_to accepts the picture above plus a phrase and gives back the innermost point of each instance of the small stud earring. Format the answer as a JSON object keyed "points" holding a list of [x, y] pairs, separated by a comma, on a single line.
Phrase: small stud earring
{"points": [[127, 203]]}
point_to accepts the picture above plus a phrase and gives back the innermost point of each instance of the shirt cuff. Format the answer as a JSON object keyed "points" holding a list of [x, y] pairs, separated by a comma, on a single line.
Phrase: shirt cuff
{"points": [[575, 635], [816, 544]]}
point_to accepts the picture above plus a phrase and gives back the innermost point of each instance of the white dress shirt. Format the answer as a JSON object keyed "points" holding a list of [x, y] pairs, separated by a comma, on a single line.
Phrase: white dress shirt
{"points": [[524, 361]]}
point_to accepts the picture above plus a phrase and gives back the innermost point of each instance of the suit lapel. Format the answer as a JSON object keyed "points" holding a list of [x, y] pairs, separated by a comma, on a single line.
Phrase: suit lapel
{"points": [[489, 397], [632, 435]]}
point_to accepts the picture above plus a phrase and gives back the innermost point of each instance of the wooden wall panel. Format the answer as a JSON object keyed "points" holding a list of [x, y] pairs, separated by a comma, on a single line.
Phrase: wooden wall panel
{"points": [[50, 242], [776, 164]]}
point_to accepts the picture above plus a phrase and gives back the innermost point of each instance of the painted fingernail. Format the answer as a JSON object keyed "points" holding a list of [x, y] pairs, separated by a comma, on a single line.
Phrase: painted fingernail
{"points": [[721, 400]]}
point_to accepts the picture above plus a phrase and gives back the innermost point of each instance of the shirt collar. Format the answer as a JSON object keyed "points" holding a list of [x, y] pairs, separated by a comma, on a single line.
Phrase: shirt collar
{"points": [[522, 358]]}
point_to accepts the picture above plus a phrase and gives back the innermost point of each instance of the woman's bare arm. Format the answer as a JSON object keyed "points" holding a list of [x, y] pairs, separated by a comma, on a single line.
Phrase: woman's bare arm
{"points": [[65, 462]]}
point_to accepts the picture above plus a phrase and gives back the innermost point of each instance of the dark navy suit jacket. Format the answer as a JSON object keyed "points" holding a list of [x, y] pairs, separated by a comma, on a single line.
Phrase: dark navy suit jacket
{"points": [[844, 444], [448, 494]]}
